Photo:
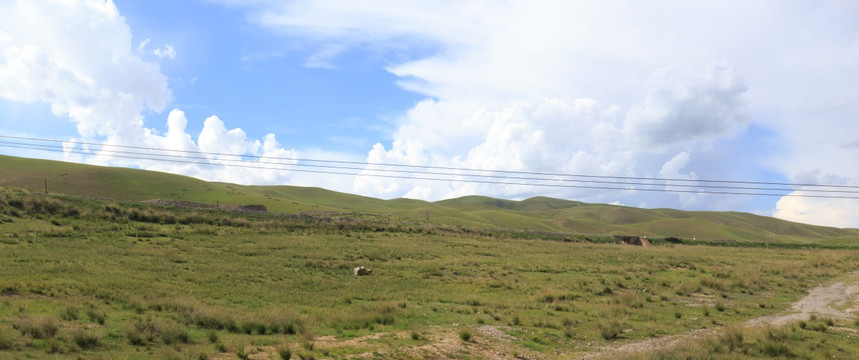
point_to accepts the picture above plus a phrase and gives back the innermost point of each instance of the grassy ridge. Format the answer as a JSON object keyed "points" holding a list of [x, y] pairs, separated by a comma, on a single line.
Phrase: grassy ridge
{"points": [[539, 213]]}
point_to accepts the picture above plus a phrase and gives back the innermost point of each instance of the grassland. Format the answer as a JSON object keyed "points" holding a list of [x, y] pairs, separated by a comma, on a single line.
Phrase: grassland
{"points": [[84, 278]]}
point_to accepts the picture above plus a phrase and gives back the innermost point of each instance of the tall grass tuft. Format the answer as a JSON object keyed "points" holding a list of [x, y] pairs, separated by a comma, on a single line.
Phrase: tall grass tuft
{"points": [[96, 316], [70, 312], [86, 339], [37, 328], [610, 329], [7, 339], [143, 332], [733, 338], [284, 352]]}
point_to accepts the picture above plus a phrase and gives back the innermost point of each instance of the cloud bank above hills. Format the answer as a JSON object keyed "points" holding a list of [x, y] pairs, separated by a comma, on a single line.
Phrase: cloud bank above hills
{"points": [[730, 90]]}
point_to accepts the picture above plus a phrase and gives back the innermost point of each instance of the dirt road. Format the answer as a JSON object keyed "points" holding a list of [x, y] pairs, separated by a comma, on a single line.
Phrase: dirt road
{"points": [[837, 301]]}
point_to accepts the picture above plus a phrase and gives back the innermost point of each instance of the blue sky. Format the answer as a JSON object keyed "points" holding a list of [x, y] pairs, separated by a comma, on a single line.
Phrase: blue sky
{"points": [[729, 90], [259, 80]]}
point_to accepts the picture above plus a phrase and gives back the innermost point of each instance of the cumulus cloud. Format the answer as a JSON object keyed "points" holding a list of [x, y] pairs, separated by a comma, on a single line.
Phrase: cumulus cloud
{"points": [[666, 78], [81, 62], [673, 169], [689, 106], [558, 135], [820, 211], [267, 162], [827, 212]]}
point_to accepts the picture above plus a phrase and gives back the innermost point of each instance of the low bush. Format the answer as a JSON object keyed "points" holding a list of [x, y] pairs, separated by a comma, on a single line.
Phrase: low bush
{"points": [[465, 335]]}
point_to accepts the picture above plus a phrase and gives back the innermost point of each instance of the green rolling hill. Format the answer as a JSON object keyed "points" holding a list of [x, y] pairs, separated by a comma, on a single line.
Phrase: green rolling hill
{"points": [[538, 213]]}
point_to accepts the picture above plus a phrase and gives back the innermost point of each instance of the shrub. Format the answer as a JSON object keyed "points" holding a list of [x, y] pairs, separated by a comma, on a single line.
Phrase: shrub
{"points": [[465, 335], [37, 328], [55, 346], [242, 354], [146, 331], [86, 339], [732, 338], [135, 338], [172, 334], [384, 319], [776, 334], [250, 327], [776, 349], [308, 345], [96, 316], [284, 352], [213, 337], [416, 335], [70, 313], [610, 329]]}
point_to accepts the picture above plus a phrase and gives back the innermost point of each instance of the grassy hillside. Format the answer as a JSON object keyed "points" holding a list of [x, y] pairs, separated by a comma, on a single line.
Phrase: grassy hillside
{"points": [[538, 213]]}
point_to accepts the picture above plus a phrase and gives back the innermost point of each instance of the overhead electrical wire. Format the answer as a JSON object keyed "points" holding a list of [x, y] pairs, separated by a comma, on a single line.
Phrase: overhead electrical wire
{"points": [[466, 175], [436, 167]]}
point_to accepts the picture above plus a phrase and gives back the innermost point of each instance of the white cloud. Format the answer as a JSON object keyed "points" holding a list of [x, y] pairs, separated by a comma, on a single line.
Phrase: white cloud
{"points": [[806, 206], [827, 212], [689, 107], [562, 135], [165, 52], [80, 61], [267, 162], [672, 169], [649, 67], [142, 46]]}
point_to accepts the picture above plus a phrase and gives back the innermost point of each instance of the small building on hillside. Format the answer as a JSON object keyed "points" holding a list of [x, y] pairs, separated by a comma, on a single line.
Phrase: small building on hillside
{"points": [[632, 240]]}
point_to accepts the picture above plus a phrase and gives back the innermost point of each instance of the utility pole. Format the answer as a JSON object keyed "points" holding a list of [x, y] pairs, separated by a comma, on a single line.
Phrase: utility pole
{"points": [[46, 185], [427, 216]]}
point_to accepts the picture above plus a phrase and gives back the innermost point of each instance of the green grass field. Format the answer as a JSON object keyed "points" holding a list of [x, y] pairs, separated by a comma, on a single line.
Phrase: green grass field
{"points": [[111, 279]]}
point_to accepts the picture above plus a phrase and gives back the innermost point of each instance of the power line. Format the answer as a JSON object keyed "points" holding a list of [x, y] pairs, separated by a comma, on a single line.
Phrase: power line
{"points": [[454, 177], [245, 156], [296, 164]]}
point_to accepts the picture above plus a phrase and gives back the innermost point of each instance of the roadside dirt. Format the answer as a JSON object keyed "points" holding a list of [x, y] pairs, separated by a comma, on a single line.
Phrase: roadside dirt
{"points": [[839, 300]]}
